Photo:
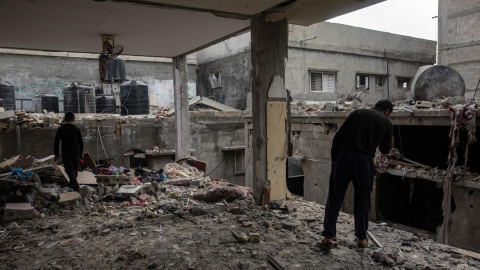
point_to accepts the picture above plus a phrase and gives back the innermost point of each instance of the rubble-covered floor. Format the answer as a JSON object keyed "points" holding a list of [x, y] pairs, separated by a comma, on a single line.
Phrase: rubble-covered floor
{"points": [[109, 235]]}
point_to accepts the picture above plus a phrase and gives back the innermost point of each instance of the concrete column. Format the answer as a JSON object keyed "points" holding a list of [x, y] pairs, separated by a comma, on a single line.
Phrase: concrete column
{"points": [[269, 54], [182, 116]]}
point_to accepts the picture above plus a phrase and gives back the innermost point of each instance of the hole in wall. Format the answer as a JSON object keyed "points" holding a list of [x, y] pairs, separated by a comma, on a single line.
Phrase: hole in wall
{"points": [[420, 207], [470, 193], [295, 176]]}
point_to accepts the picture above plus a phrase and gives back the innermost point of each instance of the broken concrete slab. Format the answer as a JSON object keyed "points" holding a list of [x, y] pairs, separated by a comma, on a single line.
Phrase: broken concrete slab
{"points": [[8, 165], [16, 211], [206, 102], [69, 198], [112, 180], [7, 114], [130, 190], [83, 178], [197, 182]]}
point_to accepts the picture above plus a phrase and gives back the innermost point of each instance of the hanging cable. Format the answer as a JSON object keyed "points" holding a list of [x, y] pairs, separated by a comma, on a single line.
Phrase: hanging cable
{"points": [[101, 141], [400, 140]]}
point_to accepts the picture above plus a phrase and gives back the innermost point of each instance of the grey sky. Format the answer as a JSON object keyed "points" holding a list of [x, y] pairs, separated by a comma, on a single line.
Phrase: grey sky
{"points": [[403, 17]]}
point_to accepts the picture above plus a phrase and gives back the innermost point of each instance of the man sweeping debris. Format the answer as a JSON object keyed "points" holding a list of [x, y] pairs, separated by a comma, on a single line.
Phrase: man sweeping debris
{"points": [[353, 150], [72, 148]]}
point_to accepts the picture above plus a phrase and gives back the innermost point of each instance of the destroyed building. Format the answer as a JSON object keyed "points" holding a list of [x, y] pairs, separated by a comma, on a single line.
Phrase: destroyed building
{"points": [[205, 184], [322, 65]]}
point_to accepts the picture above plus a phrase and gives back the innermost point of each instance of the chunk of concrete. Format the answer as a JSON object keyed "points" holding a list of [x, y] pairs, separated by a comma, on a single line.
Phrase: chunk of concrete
{"points": [[254, 237], [16, 211], [86, 191], [197, 182], [130, 190], [69, 198]]}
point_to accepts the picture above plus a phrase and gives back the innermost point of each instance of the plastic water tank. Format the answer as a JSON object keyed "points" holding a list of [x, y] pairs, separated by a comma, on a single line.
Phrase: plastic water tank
{"points": [[7, 93], [79, 98], [1, 102], [105, 104], [45, 102], [134, 98], [437, 82], [116, 70]]}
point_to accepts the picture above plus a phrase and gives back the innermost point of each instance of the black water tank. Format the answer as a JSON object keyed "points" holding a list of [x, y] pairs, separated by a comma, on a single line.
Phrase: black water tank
{"points": [[45, 102], [7, 93], [106, 104], [79, 98], [116, 70], [438, 82], [134, 98], [1, 102]]}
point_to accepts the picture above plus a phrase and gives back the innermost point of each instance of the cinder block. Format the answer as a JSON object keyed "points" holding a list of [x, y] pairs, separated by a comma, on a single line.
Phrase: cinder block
{"points": [[197, 182], [318, 128], [69, 198], [307, 127], [15, 211], [296, 127]]}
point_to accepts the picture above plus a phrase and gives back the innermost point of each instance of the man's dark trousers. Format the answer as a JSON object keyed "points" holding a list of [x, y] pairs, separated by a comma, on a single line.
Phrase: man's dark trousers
{"points": [[71, 168], [358, 167]]}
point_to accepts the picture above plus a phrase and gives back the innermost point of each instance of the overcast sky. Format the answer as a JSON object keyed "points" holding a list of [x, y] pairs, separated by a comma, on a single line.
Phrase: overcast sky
{"points": [[403, 17]]}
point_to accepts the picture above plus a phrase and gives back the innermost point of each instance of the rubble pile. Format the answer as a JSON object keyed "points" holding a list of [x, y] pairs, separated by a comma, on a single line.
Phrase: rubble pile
{"points": [[170, 230], [403, 105], [162, 112]]}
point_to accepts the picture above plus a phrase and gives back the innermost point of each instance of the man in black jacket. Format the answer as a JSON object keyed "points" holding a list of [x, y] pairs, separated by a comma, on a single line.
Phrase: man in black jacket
{"points": [[353, 150], [72, 148]]}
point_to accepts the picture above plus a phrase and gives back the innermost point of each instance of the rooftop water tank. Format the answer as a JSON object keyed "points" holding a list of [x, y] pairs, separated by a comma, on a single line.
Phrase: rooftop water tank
{"points": [[45, 102], [134, 98], [116, 70], [79, 98], [105, 104], [437, 82], [7, 93]]}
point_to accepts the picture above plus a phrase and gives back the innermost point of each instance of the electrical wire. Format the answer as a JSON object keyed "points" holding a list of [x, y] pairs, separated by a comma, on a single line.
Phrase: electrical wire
{"points": [[101, 141], [400, 140]]}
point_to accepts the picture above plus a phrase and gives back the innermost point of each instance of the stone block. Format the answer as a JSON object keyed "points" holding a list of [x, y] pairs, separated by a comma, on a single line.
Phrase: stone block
{"points": [[69, 198], [197, 182], [16, 211]]}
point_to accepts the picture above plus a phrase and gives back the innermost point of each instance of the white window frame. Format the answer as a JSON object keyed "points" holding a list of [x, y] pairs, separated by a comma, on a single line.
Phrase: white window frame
{"points": [[367, 80], [380, 78], [331, 81]]}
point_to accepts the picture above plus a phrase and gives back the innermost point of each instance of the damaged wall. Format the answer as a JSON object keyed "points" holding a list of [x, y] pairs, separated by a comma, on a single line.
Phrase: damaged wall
{"points": [[47, 73], [459, 39], [360, 52], [313, 132], [210, 132], [224, 71]]}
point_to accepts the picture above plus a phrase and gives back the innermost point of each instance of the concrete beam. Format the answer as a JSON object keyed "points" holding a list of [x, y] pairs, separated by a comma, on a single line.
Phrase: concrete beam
{"points": [[269, 53], [182, 115]]}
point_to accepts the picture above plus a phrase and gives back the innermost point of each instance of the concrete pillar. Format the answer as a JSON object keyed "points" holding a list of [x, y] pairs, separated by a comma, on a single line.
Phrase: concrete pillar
{"points": [[269, 54], [182, 116]]}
